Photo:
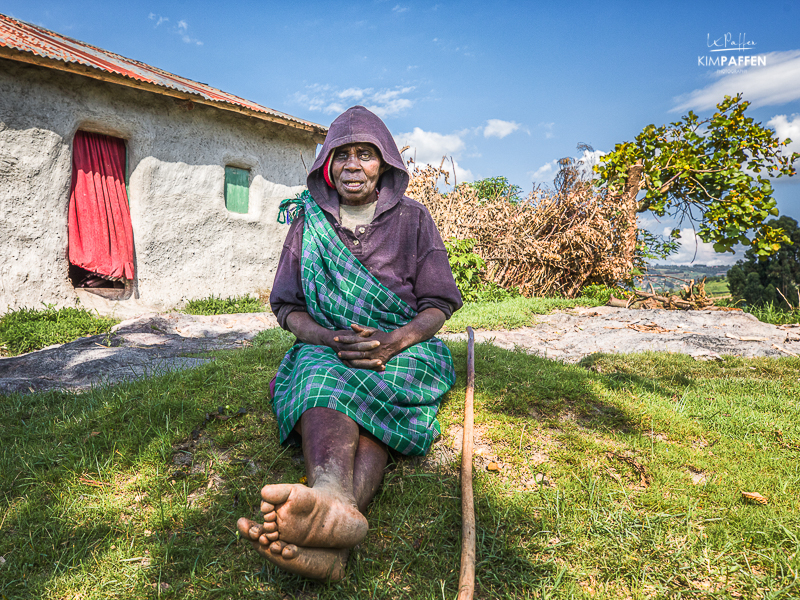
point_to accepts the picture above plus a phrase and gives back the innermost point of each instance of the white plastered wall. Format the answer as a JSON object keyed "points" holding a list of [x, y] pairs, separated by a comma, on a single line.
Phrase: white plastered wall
{"points": [[186, 243]]}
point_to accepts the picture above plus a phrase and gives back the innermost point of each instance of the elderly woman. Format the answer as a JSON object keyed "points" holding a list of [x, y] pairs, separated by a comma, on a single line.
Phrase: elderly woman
{"points": [[364, 284]]}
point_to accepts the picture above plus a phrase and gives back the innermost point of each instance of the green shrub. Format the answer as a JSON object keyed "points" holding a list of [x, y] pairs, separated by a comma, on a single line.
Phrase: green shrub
{"points": [[468, 269], [602, 293], [29, 329], [223, 306], [493, 188], [772, 280], [466, 266]]}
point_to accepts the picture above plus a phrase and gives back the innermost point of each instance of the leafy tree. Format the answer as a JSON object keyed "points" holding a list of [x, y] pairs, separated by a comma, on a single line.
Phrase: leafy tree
{"points": [[757, 279], [650, 246], [645, 245], [708, 171]]}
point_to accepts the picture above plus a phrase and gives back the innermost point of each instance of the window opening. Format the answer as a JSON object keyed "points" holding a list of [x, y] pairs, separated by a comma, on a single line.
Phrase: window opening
{"points": [[237, 189]]}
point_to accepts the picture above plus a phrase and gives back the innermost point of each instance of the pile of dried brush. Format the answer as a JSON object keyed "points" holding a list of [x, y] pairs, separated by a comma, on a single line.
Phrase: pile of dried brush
{"points": [[552, 243], [692, 297]]}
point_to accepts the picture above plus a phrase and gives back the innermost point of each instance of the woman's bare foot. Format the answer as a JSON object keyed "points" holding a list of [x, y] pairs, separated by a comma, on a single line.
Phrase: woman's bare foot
{"points": [[311, 517], [314, 563]]}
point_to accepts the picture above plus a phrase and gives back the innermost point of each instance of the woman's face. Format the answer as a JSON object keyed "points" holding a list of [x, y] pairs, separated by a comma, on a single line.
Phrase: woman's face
{"points": [[356, 169]]}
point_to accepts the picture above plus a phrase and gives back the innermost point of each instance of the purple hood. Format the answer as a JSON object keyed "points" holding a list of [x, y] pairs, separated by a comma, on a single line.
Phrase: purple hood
{"points": [[357, 124]]}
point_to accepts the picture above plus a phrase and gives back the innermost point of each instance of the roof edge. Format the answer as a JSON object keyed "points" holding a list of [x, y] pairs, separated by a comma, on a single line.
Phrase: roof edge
{"points": [[316, 131]]}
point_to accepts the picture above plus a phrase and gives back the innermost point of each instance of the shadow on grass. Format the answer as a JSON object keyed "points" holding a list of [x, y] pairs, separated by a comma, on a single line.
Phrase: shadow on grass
{"points": [[517, 385], [98, 497], [87, 481]]}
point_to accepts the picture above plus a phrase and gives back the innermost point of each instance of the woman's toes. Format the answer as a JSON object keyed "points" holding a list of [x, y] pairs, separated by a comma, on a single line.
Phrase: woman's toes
{"points": [[270, 527], [276, 547], [270, 517], [267, 508], [267, 538], [276, 493], [249, 529], [289, 551], [243, 526]]}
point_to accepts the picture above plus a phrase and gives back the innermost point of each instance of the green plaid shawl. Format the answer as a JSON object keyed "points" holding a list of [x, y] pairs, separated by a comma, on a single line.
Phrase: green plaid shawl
{"points": [[398, 405]]}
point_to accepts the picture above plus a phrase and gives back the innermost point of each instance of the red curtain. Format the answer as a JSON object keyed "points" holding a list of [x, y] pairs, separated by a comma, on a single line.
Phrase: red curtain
{"points": [[100, 232]]}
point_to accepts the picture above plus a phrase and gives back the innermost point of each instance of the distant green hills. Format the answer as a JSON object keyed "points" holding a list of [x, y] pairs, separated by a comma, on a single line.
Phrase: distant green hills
{"points": [[667, 276]]}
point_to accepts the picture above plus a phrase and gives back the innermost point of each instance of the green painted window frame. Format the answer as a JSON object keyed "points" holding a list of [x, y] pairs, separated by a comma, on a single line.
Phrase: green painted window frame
{"points": [[237, 189]]}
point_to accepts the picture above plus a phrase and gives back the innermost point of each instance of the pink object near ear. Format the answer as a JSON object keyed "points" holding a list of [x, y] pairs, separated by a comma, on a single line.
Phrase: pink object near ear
{"points": [[326, 172]]}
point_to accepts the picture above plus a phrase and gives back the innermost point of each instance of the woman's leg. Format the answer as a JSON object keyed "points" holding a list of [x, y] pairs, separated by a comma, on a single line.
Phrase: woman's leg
{"points": [[323, 514], [331, 466], [370, 462]]}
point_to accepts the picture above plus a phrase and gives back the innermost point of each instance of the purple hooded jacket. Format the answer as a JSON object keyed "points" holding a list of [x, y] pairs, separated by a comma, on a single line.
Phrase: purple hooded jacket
{"points": [[401, 247]]}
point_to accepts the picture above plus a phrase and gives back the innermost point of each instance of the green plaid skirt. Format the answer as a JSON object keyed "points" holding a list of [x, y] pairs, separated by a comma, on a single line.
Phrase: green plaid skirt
{"points": [[398, 405]]}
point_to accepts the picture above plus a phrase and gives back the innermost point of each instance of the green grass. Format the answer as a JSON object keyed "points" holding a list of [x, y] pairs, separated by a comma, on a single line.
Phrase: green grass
{"points": [[223, 306], [509, 314], [132, 492], [28, 329], [770, 313], [717, 288]]}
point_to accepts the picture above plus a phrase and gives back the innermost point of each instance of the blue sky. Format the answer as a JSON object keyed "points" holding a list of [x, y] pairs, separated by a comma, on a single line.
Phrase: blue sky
{"points": [[506, 88]]}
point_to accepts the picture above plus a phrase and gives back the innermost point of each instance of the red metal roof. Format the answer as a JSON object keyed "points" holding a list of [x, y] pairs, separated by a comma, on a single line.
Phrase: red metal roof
{"points": [[27, 38]]}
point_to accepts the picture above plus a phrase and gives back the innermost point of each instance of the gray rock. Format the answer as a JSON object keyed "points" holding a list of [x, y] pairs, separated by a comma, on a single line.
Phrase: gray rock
{"points": [[141, 347], [158, 343], [571, 335]]}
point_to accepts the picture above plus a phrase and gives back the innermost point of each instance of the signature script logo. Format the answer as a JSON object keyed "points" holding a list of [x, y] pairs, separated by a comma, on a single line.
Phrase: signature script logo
{"points": [[729, 43]]}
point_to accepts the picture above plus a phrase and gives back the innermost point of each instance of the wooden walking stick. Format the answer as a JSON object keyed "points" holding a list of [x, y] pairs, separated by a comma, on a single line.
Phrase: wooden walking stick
{"points": [[466, 580]]}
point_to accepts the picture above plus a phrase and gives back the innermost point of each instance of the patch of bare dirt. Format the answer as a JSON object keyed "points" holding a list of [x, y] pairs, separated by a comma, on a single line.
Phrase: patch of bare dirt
{"points": [[698, 476]]}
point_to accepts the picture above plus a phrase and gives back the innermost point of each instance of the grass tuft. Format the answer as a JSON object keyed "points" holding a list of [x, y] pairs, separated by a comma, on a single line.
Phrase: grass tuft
{"points": [[775, 314], [28, 329], [223, 306], [511, 313]]}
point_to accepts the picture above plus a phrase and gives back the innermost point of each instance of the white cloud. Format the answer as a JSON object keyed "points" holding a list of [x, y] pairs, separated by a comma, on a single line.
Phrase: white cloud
{"points": [[181, 29], [384, 103], [399, 9], [695, 250], [787, 128], [584, 163], [389, 102], [429, 147], [499, 128], [158, 18], [545, 173], [353, 94], [776, 83], [587, 161], [548, 129]]}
